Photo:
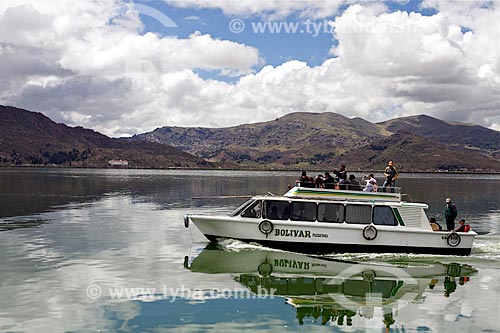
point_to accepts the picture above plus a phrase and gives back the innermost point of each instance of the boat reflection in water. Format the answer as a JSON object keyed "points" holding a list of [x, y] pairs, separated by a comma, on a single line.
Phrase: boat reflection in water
{"points": [[332, 291]]}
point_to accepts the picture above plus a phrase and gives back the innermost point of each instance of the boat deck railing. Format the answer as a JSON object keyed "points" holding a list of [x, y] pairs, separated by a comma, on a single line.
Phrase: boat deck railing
{"points": [[387, 189]]}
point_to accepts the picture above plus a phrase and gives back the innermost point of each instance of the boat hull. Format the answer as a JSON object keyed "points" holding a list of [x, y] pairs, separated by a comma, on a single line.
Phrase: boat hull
{"points": [[324, 248], [214, 260], [321, 238]]}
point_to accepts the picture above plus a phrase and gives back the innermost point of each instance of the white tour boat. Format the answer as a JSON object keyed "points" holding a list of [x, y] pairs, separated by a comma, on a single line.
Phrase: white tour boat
{"points": [[316, 220]]}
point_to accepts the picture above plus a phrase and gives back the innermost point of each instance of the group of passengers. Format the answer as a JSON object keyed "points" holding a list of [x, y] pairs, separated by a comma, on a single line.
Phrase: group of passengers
{"points": [[450, 214], [463, 227], [340, 180]]}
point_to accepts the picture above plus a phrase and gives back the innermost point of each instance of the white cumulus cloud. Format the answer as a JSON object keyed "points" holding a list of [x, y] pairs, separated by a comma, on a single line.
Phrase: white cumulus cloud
{"points": [[89, 63], [267, 8]]}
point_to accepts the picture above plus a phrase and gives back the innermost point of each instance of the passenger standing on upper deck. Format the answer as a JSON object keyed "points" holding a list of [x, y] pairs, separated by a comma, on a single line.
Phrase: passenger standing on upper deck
{"points": [[342, 174], [390, 174], [450, 214]]}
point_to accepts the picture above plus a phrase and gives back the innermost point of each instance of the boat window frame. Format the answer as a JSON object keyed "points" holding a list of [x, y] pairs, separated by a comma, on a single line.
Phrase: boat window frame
{"points": [[396, 221], [251, 206], [331, 203], [357, 205], [304, 202], [241, 207], [264, 209]]}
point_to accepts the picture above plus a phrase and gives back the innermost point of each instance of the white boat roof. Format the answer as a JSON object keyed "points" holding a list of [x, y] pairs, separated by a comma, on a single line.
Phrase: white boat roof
{"points": [[322, 193], [344, 196]]}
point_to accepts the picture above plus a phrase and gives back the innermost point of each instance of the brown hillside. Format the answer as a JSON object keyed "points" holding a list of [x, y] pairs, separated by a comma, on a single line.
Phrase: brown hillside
{"points": [[292, 141], [415, 153], [32, 138], [324, 140], [455, 134]]}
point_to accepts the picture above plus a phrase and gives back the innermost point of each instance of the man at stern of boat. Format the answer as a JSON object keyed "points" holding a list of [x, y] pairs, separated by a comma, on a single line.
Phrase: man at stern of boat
{"points": [[450, 214]]}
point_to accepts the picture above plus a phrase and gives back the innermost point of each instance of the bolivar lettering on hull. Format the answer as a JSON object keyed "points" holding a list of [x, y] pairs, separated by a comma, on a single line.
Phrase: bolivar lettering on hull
{"points": [[291, 264], [293, 233]]}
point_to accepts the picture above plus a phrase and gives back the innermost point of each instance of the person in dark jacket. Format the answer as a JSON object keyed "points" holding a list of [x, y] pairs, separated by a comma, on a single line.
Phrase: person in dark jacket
{"points": [[450, 214], [305, 180], [390, 174], [354, 185], [329, 182], [342, 174]]}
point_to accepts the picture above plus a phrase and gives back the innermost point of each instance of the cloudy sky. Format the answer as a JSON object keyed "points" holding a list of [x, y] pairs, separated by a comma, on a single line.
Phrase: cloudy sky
{"points": [[123, 67]]}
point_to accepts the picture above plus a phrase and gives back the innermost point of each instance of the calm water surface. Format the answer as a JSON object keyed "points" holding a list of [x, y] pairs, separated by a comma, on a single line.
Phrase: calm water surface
{"points": [[106, 250]]}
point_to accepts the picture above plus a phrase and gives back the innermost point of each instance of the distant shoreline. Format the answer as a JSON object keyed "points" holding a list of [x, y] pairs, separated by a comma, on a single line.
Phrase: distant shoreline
{"points": [[241, 169]]}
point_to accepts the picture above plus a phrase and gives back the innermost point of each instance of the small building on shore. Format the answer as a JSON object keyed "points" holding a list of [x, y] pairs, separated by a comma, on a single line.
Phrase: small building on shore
{"points": [[118, 163]]}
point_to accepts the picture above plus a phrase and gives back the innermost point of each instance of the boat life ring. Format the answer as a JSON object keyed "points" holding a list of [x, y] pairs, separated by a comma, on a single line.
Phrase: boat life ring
{"points": [[370, 232], [265, 269], [369, 275], [266, 227], [186, 221], [453, 239], [453, 270]]}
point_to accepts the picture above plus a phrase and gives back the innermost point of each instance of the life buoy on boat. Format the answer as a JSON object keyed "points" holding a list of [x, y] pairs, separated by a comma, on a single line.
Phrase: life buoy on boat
{"points": [[370, 232], [186, 221], [266, 227], [265, 269], [369, 275], [453, 239], [454, 270]]}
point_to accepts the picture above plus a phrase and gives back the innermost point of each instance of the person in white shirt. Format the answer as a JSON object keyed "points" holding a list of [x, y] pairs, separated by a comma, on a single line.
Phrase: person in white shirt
{"points": [[371, 183]]}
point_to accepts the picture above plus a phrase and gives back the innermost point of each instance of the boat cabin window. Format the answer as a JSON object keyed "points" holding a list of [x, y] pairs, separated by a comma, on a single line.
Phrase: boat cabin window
{"points": [[383, 215], [328, 212], [277, 210], [359, 214], [254, 210], [238, 210], [303, 211]]}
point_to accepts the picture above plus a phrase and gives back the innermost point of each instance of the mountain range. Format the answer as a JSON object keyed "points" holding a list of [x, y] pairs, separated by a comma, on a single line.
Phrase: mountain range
{"points": [[303, 140], [323, 141], [32, 138]]}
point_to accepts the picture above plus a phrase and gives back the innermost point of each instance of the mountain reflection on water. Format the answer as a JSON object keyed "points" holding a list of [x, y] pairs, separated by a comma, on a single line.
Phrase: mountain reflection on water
{"points": [[331, 291]]}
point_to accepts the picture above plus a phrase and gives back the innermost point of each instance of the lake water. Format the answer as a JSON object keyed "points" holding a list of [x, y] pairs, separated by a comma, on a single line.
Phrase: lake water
{"points": [[106, 250]]}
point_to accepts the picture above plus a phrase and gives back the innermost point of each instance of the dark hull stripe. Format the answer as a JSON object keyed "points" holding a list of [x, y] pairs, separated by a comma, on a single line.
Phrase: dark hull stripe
{"points": [[315, 248]]}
